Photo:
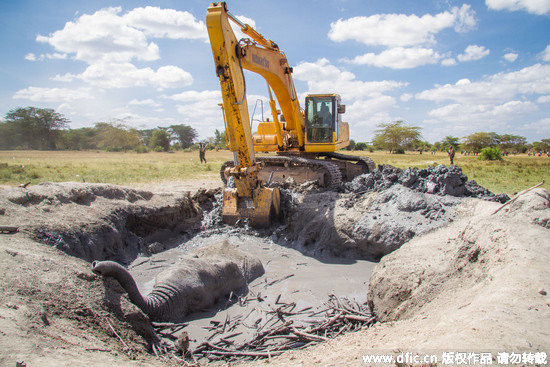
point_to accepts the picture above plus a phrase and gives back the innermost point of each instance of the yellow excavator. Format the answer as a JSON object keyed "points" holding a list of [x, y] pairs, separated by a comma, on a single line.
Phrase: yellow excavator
{"points": [[306, 142]]}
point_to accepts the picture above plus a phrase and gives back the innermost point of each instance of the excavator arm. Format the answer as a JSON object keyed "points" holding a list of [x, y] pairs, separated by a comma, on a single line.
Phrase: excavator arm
{"points": [[250, 199]]}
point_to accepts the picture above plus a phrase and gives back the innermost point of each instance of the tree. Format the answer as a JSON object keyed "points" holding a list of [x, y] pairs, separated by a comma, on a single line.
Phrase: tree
{"points": [[351, 145], [79, 139], [422, 146], [185, 134], [361, 146], [116, 136], [396, 136], [477, 141], [512, 143], [220, 139], [160, 140], [542, 146], [33, 128], [448, 142]]}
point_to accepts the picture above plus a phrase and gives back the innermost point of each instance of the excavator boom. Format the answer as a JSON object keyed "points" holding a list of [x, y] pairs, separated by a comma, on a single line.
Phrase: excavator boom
{"points": [[249, 199]]}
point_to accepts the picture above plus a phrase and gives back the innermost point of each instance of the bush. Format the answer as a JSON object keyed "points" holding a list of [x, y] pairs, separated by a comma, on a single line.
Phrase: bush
{"points": [[490, 154], [142, 149]]}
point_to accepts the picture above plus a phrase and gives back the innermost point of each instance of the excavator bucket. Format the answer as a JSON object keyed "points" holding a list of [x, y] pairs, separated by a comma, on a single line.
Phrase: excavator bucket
{"points": [[261, 209]]}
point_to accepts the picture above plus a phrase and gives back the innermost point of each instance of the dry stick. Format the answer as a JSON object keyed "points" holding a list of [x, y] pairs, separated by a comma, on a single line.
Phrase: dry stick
{"points": [[307, 336], [279, 280], [9, 229], [359, 318], [327, 324], [244, 354], [166, 325], [517, 196], [118, 336]]}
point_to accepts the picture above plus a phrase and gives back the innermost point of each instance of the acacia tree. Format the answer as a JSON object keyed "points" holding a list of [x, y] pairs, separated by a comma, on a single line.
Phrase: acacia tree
{"points": [[396, 136], [160, 140], [185, 134], [116, 136], [220, 139], [477, 141], [32, 128], [448, 142], [512, 143]]}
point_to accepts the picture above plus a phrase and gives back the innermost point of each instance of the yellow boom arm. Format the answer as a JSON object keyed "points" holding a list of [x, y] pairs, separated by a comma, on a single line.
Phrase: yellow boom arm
{"points": [[250, 199]]}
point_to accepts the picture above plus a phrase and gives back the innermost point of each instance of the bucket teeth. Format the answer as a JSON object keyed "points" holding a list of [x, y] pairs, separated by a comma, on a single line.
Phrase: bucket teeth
{"points": [[261, 209]]}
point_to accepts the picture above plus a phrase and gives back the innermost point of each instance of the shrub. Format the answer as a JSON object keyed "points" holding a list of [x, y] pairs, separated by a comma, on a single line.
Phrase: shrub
{"points": [[490, 154], [142, 149]]}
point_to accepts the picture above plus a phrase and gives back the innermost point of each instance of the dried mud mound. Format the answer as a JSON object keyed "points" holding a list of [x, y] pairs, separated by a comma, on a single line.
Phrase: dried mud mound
{"points": [[100, 221], [377, 212], [439, 180]]}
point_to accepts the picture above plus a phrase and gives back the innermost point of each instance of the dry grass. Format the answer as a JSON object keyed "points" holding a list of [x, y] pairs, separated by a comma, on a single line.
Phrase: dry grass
{"points": [[512, 174]]}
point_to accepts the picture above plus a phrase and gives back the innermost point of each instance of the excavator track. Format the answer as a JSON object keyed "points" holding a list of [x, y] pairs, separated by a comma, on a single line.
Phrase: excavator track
{"points": [[366, 162], [332, 174]]}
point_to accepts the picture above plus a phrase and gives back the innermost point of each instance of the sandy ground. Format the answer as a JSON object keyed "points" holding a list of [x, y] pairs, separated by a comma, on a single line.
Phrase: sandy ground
{"points": [[479, 283]]}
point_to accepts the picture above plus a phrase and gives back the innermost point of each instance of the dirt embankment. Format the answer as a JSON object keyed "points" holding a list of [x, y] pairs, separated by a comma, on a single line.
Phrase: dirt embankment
{"points": [[53, 310]]}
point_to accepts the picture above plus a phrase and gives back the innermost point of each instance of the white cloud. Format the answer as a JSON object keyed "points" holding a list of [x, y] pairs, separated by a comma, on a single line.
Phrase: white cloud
{"points": [[400, 29], [144, 102], [470, 117], [510, 56], [546, 54], [36, 94], [473, 52], [405, 97], [531, 6], [166, 23], [195, 96], [497, 88], [399, 58], [109, 42], [102, 36], [237, 29], [323, 77], [544, 99], [55, 56], [448, 62], [540, 127], [124, 75], [360, 109]]}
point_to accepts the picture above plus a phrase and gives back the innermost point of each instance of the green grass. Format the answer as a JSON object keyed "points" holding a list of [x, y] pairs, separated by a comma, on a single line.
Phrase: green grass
{"points": [[510, 175]]}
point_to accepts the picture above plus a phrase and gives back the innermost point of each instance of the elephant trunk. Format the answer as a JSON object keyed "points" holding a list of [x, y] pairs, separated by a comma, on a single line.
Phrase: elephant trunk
{"points": [[117, 271]]}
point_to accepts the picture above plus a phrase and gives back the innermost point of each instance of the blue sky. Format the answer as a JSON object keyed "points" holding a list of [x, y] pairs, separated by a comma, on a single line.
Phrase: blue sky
{"points": [[450, 67]]}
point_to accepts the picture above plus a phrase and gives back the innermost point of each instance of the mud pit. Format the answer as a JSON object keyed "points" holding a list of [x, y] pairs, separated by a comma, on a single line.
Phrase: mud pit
{"points": [[289, 277], [329, 243]]}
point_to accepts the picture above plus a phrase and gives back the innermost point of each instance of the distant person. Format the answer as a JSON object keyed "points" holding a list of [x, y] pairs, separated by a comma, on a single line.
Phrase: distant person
{"points": [[202, 152], [451, 153]]}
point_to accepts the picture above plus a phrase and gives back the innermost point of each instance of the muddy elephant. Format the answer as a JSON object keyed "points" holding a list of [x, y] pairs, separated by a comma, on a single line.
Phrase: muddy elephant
{"points": [[193, 284]]}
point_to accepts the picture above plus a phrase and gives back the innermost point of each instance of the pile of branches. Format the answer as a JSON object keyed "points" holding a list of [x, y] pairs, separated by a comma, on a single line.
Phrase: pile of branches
{"points": [[285, 329]]}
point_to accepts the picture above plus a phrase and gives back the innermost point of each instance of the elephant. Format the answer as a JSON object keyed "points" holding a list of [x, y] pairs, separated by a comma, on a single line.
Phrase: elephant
{"points": [[195, 283]]}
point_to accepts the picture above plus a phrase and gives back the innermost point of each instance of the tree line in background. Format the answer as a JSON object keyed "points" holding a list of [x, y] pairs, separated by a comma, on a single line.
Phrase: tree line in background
{"points": [[397, 137], [45, 129]]}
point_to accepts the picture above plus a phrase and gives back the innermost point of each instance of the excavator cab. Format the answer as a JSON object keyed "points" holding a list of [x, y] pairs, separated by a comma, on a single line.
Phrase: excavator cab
{"points": [[323, 118]]}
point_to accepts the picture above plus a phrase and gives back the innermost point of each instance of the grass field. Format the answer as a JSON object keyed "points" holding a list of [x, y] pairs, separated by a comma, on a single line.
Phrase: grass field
{"points": [[512, 174]]}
